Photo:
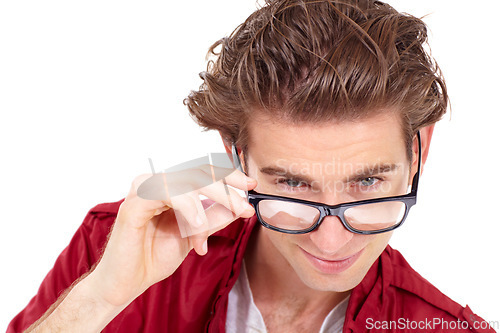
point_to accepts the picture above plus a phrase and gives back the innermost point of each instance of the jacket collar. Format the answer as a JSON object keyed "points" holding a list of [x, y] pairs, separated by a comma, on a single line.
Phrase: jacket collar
{"points": [[372, 298]]}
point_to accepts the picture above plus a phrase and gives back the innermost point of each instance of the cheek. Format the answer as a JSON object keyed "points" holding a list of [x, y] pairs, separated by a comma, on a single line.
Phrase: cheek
{"points": [[280, 240], [375, 245], [281, 245]]}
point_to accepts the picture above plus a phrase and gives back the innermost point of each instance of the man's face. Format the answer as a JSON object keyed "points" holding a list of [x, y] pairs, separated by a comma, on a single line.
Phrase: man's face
{"points": [[332, 163]]}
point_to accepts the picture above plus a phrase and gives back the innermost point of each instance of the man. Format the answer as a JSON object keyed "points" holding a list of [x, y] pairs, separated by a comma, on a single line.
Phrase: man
{"points": [[327, 108]]}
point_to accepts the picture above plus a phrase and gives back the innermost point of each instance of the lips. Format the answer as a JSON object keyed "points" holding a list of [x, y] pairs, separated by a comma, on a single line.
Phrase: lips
{"points": [[332, 266]]}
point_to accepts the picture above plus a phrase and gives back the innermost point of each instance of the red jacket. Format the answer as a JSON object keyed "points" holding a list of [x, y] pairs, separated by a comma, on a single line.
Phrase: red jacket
{"points": [[194, 299]]}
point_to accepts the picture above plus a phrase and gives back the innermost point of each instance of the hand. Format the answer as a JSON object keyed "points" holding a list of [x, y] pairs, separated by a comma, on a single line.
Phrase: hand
{"points": [[146, 246]]}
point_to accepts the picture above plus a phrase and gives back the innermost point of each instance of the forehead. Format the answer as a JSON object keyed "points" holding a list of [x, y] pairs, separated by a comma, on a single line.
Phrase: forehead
{"points": [[370, 140]]}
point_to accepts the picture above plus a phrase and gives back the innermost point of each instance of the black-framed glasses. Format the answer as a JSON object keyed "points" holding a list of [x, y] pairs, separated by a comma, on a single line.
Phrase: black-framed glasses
{"points": [[367, 217]]}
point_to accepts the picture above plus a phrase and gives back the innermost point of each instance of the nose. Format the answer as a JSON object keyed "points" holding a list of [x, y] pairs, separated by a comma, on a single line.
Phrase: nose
{"points": [[331, 235]]}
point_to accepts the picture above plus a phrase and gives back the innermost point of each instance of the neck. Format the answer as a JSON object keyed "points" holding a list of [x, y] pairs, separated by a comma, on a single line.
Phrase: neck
{"points": [[274, 282]]}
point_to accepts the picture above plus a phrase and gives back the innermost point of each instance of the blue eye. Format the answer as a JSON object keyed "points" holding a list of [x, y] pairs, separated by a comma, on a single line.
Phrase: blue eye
{"points": [[292, 183], [369, 181]]}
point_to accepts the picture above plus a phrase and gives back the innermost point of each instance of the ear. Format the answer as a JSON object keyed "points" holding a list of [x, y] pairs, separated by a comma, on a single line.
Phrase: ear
{"points": [[425, 137]]}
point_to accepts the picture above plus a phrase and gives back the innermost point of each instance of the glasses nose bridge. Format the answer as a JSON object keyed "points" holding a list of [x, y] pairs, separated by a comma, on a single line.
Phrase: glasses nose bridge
{"points": [[329, 211]]}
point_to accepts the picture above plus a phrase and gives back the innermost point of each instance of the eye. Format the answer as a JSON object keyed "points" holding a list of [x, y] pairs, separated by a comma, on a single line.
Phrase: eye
{"points": [[292, 183], [369, 181]]}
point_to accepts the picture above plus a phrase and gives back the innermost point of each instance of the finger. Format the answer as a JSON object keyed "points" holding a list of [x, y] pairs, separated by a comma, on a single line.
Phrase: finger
{"points": [[199, 243], [199, 232], [223, 194], [191, 221], [232, 177], [219, 217], [189, 213], [164, 186], [159, 202], [137, 211]]}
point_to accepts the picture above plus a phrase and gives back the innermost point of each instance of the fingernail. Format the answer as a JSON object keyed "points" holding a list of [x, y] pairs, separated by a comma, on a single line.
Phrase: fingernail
{"points": [[198, 222], [205, 246]]}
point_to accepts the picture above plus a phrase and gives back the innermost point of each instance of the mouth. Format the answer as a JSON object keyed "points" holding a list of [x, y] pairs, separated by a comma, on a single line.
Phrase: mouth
{"points": [[328, 266]]}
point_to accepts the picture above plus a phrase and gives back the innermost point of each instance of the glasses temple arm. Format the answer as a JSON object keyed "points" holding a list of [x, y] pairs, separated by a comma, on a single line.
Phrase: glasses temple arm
{"points": [[236, 158], [416, 178]]}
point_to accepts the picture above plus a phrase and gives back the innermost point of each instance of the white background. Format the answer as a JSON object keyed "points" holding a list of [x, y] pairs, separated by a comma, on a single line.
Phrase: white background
{"points": [[90, 90]]}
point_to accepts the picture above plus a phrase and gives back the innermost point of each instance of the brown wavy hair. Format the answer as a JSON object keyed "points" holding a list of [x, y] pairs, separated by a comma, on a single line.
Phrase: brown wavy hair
{"points": [[320, 60]]}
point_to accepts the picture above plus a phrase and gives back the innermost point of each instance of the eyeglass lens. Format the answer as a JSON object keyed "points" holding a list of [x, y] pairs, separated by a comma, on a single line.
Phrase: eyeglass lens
{"points": [[296, 216]]}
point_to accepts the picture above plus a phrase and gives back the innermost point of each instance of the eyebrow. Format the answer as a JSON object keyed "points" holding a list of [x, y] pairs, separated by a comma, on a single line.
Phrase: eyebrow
{"points": [[374, 170], [276, 171], [366, 172]]}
